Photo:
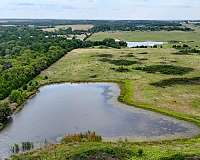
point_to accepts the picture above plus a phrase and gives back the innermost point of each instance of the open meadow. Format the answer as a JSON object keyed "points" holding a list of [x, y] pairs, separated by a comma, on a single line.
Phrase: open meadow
{"points": [[155, 79], [162, 36], [175, 89]]}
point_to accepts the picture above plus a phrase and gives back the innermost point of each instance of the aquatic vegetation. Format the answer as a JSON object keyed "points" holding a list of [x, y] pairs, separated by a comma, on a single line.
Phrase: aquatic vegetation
{"points": [[82, 137], [22, 147]]}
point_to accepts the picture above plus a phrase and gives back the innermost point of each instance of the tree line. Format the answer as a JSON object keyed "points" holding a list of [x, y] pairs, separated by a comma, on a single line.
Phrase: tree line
{"points": [[25, 52]]}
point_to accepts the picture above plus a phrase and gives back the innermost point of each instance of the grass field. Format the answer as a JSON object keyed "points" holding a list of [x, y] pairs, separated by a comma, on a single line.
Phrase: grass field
{"points": [[116, 151], [74, 27], [103, 65], [162, 36], [176, 93]]}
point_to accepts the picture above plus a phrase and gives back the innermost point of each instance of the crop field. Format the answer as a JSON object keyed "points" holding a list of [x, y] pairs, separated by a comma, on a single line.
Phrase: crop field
{"points": [[162, 36], [84, 27]]}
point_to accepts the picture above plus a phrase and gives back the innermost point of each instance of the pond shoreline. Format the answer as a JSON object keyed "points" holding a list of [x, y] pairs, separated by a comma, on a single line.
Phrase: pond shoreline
{"points": [[119, 97], [124, 98]]}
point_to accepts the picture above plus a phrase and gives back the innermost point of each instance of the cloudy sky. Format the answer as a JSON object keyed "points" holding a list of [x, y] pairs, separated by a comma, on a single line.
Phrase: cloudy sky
{"points": [[101, 9]]}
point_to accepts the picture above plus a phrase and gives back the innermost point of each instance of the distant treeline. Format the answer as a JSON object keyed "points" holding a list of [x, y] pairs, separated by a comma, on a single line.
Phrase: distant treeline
{"points": [[106, 25], [139, 26]]}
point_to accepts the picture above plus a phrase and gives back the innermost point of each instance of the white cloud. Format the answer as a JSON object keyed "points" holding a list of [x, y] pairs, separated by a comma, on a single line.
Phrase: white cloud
{"points": [[101, 9]]}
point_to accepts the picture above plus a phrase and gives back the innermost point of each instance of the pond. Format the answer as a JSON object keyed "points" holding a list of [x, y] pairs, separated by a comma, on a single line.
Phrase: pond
{"points": [[139, 44], [61, 109]]}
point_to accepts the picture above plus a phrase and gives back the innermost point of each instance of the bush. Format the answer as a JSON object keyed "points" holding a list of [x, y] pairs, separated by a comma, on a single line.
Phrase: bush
{"points": [[17, 96], [1, 126], [46, 77], [32, 85], [140, 152], [24, 87], [5, 113]]}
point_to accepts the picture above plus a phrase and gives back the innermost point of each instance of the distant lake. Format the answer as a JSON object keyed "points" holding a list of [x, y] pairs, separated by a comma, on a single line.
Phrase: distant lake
{"points": [[72, 108], [148, 44]]}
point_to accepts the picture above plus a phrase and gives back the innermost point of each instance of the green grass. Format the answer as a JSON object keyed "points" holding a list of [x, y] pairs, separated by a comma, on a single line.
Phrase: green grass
{"points": [[113, 65], [162, 36], [120, 150]]}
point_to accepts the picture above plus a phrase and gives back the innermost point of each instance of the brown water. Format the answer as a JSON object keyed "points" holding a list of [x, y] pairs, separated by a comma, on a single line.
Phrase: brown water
{"points": [[70, 108]]}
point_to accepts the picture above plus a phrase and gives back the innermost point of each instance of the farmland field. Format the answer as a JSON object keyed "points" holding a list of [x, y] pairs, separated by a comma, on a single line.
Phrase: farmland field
{"points": [[84, 27], [162, 36]]}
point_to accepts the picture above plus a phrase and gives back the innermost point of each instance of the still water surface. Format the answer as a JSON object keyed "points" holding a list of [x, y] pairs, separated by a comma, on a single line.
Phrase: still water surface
{"points": [[70, 108]]}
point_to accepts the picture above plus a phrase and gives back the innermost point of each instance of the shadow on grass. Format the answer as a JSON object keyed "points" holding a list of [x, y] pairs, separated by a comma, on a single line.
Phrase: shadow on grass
{"points": [[179, 81], [143, 59], [120, 62], [143, 53], [166, 69], [121, 69], [105, 55], [181, 53], [106, 153], [181, 157], [129, 55]]}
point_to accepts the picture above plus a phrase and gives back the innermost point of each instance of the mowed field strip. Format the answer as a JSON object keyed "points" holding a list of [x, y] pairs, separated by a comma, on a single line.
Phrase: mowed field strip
{"points": [[162, 36]]}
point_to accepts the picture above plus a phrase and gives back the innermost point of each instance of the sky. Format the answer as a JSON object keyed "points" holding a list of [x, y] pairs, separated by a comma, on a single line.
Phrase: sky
{"points": [[101, 9]]}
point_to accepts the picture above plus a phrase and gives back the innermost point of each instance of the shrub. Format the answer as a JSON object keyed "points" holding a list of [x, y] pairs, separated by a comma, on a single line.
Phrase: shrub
{"points": [[24, 87], [17, 96], [140, 152], [32, 85], [5, 112], [1, 126], [46, 77]]}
